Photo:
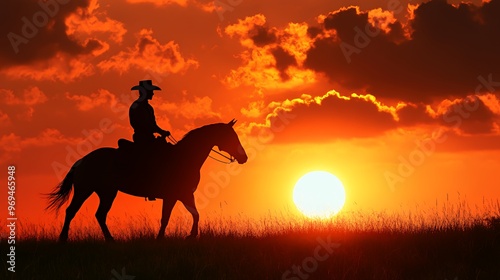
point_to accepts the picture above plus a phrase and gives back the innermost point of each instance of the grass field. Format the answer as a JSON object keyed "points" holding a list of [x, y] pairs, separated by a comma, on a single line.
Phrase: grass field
{"points": [[448, 244]]}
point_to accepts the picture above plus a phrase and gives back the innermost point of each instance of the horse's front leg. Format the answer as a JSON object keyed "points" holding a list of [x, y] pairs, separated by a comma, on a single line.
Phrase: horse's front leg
{"points": [[188, 202], [168, 205]]}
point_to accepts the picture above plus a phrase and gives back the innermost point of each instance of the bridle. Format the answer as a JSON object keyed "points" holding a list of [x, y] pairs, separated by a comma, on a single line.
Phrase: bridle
{"points": [[230, 158]]}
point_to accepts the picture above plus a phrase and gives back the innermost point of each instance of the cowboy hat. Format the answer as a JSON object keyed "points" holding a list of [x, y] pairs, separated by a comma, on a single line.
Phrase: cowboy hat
{"points": [[145, 84]]}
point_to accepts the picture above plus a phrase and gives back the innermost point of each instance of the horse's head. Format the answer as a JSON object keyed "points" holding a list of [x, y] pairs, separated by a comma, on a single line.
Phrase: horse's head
{"points": [[230, 143]]}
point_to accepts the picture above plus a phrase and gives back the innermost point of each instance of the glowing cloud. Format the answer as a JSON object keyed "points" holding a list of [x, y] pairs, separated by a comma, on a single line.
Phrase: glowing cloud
{"points": [[272, 58], [88, 102], [149, 54]]}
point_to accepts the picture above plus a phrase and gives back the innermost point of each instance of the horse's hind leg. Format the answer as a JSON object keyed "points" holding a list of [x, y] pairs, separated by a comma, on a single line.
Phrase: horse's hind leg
{"points": [[79, 198], [105, 201]]}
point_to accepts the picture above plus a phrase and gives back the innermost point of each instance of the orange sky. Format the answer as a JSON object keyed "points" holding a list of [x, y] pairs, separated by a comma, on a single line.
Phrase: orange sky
{"points": [[399, 99]]}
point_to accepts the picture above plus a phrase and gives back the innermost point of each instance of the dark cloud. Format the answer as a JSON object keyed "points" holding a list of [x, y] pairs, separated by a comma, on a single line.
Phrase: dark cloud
{"points": [[414, 114], [326, 118], [35, 30], [343, 18], [450, 46], [396, 33], [332, 116], [470, 116], [262, 36], [283, 61], [314, 31]]}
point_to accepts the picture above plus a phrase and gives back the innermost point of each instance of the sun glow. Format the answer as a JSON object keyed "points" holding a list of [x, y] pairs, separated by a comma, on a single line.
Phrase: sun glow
{"points": [[319, 194]]}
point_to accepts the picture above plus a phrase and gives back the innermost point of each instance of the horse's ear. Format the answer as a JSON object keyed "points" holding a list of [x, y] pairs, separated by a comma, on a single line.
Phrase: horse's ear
{"points": [[232, 122]]}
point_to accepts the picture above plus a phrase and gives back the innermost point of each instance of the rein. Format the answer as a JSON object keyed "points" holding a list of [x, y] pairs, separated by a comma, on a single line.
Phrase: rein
{"points": [[230, 159]]}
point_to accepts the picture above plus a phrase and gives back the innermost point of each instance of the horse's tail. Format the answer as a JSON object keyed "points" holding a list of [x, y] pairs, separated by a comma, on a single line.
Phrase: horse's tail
{"points": [[61, 192]]}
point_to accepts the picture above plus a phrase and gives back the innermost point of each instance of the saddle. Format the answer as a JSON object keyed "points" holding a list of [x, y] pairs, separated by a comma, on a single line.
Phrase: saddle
{"points": [[128, 146], [133, 158]]}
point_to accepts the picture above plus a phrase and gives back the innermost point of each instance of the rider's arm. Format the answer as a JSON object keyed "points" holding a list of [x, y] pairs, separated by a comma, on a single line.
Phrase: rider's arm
{"points": [[161, 131], [158, 129]]}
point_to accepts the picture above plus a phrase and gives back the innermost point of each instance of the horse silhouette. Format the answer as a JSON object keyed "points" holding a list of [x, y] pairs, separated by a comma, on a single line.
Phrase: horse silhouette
{"points": [[172, 174]]}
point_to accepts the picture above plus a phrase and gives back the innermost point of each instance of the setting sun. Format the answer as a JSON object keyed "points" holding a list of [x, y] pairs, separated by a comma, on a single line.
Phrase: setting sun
{"points": [[319, 194]]}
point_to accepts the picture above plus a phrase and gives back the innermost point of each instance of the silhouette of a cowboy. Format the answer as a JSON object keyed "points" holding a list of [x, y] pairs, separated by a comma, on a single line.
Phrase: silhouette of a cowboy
{"points": [[142, 116], [143, 120]]}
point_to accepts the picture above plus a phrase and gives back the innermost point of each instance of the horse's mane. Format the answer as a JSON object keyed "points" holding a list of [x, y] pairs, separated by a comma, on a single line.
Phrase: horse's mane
{"points": [[200, 132]]}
